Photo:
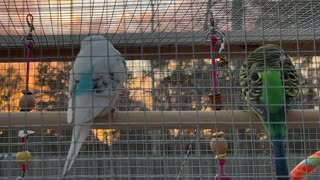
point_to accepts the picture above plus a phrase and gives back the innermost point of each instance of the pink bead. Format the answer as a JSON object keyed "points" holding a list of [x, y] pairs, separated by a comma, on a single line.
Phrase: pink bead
{"points": [[221, 163], [214, 39]]}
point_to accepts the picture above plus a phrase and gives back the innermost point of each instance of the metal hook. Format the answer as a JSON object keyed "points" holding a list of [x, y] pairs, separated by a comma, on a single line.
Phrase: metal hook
{"points": [[29, 19], [221, 38], [28, 38]]}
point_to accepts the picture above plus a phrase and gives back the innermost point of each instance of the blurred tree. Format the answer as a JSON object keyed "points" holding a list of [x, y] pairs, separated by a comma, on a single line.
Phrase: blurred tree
{"points": [[10, 79], [177, 85], [52, 80], [126, 100], [182, 85]]}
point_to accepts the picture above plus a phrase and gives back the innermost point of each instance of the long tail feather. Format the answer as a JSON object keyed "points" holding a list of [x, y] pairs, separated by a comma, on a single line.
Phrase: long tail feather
{"points": [[277, 131], [79, 135], [280, 158]]}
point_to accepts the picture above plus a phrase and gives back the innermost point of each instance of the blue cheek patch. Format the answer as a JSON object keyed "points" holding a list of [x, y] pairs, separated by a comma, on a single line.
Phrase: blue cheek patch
{"points": [[85, 85]]}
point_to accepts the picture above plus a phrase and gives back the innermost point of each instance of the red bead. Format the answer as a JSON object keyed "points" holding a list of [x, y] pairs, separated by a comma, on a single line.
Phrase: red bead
{"points": [[24, 168]]}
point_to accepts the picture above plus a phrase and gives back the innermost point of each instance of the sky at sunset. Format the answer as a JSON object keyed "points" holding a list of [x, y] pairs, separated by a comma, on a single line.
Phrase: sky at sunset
{"points": [[98, 16]]}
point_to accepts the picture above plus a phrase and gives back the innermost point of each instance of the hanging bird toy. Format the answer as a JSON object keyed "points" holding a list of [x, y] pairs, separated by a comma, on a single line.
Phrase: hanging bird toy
{"points": [[306, 167], [214, 96], [219, 147], [27, 100], [24, 157]]}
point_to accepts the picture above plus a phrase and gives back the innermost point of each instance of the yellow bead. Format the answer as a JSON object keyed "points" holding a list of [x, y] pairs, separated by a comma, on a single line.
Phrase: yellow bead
{"points": [[218, 134], [23, 157], [221, 156]]}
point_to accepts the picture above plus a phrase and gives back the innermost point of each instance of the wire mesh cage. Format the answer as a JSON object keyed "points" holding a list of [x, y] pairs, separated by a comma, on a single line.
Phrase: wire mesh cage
{"points": [[166, 117]]}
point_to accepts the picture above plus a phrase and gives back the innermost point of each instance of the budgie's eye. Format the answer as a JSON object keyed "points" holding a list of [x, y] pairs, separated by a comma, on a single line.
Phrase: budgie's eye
{"points": [[255, 76]]}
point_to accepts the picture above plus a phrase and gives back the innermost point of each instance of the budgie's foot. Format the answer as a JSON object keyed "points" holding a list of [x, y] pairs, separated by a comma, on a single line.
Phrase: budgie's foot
{"points": [[113, 112]]}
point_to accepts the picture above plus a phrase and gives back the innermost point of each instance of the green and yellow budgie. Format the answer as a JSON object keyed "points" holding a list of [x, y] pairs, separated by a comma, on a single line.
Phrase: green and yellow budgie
{"points": [[269, 83]]}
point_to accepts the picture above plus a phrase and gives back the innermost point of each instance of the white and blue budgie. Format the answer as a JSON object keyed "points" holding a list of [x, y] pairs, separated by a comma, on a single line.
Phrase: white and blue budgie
{"points": [[96, 78]]}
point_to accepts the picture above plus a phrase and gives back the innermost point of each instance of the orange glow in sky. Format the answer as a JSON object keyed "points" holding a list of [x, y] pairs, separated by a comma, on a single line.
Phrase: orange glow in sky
{"points": [[89, 17]]}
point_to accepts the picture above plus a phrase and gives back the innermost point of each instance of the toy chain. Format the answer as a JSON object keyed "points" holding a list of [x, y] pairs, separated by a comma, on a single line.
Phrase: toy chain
{"points": [[28, 42], [223, 62], [264, 149], [27, 100], [187, 154], [213, 37]]}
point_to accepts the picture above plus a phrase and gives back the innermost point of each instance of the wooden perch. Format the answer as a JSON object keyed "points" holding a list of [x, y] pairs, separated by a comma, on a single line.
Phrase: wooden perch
{"points": [[159, 119]]}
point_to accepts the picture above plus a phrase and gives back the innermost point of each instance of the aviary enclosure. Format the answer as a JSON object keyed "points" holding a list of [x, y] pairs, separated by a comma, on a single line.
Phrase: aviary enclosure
{"points": [[180, 114]]}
